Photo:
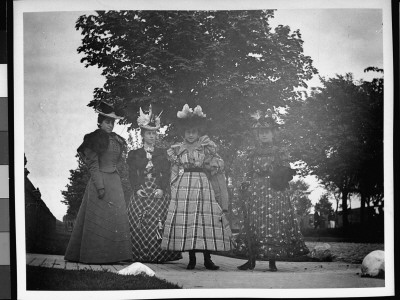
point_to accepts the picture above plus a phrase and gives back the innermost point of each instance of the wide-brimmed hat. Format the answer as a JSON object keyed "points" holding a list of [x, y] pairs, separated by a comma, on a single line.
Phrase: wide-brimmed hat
{"points": [[188, 117], [107, 110], [149, 121]]}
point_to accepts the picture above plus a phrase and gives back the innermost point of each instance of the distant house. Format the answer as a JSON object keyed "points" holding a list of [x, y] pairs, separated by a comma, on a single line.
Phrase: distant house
{"points": [[354, 217], [39, 221]]}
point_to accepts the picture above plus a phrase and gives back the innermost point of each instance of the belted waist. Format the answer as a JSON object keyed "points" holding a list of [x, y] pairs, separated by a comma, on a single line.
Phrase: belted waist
{"points": [[193, 170], [108, 169]]}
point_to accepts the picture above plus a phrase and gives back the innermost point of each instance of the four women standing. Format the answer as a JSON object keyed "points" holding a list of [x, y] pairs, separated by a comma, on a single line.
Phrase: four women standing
{"points": [[179, 197]]}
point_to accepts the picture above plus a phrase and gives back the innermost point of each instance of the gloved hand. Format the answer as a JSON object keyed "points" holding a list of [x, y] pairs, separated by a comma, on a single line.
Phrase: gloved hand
{"points": [[159, 193], [101, 193]]}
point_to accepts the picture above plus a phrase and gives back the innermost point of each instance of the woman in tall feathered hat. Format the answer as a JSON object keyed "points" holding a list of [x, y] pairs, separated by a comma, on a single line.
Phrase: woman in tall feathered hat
{"points": [[101, 230], [196, 219], [149, 173], [270, 230]]}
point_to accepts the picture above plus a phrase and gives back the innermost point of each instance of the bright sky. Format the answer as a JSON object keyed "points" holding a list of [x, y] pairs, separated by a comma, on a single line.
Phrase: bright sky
{"points": [[58, 87]]}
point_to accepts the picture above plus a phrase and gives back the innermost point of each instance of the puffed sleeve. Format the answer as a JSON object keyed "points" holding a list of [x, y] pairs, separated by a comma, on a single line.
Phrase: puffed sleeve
{"points": [[133, 171], [165, 171], [173, 159], [213, 163], [91, 159], [285, 158]]}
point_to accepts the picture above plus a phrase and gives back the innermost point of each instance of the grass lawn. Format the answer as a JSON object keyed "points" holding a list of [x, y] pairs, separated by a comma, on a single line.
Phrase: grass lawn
{"points": [[39, 278]]}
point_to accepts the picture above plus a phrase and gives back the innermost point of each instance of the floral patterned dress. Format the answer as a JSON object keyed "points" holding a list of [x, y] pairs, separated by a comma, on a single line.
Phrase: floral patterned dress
{"points": [[195, 220], [274, 229]]}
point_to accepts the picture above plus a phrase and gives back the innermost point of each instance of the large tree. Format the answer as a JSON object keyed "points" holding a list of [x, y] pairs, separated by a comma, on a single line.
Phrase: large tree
{"points": [[299, 194], [324, 206], [338, 133], [232, 63], [75, 189]]}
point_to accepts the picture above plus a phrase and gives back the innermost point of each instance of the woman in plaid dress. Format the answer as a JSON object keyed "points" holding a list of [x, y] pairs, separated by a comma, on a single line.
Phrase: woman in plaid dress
{"points": [[147, 209], [270, 231], [195, 221]]}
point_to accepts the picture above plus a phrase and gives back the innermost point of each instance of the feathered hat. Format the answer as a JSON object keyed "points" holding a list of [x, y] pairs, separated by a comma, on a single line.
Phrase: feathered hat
{"points": [[267, 120], [149, 121], [188, 117], [107, 110]]}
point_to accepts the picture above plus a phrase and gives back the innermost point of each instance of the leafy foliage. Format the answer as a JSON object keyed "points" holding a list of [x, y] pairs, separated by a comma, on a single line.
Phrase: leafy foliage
{"points": [[73, 195], [299, 195], [232, 63], [324, 206], [338, 133]]}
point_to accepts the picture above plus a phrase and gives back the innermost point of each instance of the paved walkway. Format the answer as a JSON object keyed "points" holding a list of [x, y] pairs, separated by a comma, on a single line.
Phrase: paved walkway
{"points": [[289, 275]]}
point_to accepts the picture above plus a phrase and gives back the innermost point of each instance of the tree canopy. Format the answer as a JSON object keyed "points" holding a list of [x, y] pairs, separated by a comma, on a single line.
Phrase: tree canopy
{"points": [[299, 194], [338, 133], [232, 63]]}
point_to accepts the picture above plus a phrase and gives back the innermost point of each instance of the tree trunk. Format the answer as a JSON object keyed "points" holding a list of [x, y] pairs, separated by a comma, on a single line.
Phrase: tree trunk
{"points": [[362, 209], [344, 208]]}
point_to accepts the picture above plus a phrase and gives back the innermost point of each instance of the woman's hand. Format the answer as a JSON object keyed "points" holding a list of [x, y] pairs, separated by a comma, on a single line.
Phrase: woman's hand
{"points": [[159, 193], [141, 193], [101, 193]]}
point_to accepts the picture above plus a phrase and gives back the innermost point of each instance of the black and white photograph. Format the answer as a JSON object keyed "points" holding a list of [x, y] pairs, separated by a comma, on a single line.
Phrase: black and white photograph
{"points": [[203, 149]]}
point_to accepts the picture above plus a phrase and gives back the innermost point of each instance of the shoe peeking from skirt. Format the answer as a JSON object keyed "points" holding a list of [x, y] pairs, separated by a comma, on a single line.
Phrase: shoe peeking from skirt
{"points": [[272, 266], [192, 260], [249, 265], [208, 263]]}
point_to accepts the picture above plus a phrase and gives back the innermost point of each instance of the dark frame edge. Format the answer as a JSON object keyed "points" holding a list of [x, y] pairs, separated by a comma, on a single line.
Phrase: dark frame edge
{"points": [[11, 133]]}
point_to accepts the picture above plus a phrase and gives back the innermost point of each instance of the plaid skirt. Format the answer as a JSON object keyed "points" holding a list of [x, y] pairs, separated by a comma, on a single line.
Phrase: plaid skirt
{"points": [[146, 218], [195, 220]]}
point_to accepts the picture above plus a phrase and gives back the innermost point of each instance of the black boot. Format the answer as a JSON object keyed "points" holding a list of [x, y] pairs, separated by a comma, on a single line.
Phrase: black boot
{"points": [[272, 265], [192, 260], [208, 262], [250, 264]]}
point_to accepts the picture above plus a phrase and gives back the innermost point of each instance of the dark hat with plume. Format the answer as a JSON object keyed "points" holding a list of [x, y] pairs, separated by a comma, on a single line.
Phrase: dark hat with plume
{"points": [[106, 110]]}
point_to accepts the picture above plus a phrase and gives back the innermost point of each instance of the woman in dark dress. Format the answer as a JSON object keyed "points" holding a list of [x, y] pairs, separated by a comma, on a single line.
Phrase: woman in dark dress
{"points": [[272, 231], [149, 173], [196, 222], [101, 231]]}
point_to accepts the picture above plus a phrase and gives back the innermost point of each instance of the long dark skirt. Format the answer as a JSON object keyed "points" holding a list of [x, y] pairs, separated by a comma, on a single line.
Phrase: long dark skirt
{"points": [[146, 217], [101, 231]]}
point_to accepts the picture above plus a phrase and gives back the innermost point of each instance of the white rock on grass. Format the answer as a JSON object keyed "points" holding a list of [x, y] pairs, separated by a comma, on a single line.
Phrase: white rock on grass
{"points": [[373, 265], [322, 252], [135, 269]]}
